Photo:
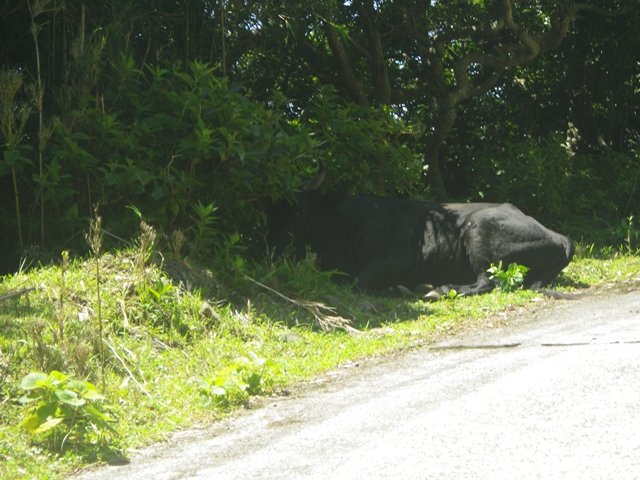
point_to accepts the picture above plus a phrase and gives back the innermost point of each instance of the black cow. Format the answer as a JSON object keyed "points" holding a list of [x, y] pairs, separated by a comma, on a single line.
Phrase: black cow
{"points": [[382, 242]]}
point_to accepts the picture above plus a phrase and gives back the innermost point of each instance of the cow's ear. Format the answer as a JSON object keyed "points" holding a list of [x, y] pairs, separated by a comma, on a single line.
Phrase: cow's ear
{"points": [[333, 199]]}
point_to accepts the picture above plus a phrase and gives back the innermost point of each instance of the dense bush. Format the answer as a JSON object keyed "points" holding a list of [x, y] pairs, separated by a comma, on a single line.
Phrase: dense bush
{"points": [[191, 151], [366, 149], [182, 147]]}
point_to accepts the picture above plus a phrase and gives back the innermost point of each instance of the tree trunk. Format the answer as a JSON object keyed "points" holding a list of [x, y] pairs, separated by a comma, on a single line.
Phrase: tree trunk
{"points": [[443, 125], [351, 80]]}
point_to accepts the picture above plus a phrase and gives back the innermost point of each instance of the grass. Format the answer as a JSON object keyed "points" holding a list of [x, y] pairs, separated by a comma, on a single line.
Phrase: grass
{"points": [[171, 348]]}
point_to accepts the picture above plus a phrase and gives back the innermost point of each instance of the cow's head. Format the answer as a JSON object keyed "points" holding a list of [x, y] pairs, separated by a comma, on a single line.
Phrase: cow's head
{"points": [[293, 223]]}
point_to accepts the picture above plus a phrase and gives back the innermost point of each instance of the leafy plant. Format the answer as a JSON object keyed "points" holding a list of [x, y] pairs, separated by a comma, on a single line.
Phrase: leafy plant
{"points": [[627, 234], [510, 279], [56, 400], [366, 148], [160, 306], [233, 384], [303, 278], [13, 119], [94, 239], [203, 221], [453, 294]]}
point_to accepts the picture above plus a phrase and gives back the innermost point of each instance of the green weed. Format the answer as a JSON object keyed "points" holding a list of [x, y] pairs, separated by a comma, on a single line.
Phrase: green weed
{"points": [[510, 279], [57, 401], [237, 381], [627, 234]]}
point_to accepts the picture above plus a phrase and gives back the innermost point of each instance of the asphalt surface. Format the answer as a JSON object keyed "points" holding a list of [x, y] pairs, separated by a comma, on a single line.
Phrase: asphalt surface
{"points": [[555, 394]]}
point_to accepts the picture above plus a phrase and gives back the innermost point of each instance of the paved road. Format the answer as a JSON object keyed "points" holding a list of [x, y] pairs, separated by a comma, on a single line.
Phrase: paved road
{"points": [[554, 395]]}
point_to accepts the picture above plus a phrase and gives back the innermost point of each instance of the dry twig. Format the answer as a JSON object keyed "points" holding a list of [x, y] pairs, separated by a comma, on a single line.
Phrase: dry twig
{"points": [[127, 368], [16, 294], [325, 322]]}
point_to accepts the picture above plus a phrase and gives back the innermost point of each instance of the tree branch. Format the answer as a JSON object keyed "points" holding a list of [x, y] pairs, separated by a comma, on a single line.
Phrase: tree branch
{"points": [[532, 46], [354, 86], [377, 60]]}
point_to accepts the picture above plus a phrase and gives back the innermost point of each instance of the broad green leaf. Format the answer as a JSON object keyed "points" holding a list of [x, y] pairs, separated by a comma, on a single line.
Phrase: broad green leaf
{"points": [[47, 409], [30, 422], [72, 212], [218, 391], [70, 398], [29, 398], [92, 395], [254, 381], [56, 378], [33, 380], [77, 385], [10, 157], [86, 389], [186, 78], [80, 136], [48, 425]]}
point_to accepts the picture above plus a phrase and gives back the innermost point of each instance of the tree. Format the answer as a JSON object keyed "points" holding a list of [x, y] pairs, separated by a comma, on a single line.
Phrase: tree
{"points": [[602, 76], [583, 93], [425, 58]]}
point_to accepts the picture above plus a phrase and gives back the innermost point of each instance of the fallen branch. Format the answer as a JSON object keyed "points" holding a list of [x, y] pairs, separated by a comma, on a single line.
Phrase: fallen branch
{"points": [[126, 368], [16, 294], [325, 322]]}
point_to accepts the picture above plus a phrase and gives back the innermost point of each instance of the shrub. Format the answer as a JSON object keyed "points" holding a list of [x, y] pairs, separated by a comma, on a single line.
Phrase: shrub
{"points": [[510, 279], [56, 400]]}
